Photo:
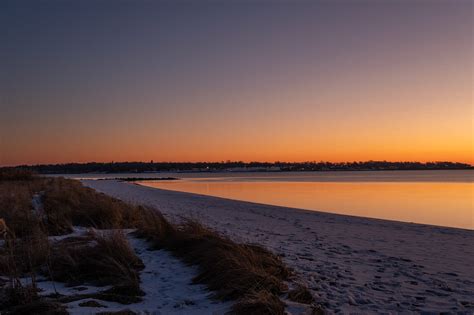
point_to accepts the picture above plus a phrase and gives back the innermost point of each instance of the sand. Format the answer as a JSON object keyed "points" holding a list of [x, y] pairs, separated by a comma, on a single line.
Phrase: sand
{"points": [[351, 264]]}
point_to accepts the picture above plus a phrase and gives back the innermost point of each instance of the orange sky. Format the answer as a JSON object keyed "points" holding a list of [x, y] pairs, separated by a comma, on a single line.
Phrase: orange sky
{"points": [[189, 82]]}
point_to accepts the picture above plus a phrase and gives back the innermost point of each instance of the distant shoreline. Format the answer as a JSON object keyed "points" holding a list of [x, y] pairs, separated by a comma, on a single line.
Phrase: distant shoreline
{"points": [[138, 179], [243, 171], [238, 167]]}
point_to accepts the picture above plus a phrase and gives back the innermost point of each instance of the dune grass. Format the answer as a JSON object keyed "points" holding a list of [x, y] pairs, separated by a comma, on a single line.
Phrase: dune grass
{"points": [[248, 274], [68, 203], [259, 302], [98, 258], [16, 174], [27, 252], [300, 294]]}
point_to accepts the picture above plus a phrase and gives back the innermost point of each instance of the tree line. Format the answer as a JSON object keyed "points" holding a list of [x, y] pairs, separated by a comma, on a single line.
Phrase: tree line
{"points": [[140, 167]]}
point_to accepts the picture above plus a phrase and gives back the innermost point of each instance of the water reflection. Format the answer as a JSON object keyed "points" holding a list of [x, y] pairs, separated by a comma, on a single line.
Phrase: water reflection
{"points": [[437, 203]]}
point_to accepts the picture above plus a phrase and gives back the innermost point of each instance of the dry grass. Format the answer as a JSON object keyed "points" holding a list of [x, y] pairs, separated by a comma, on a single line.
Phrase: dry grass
{"points": [[24, 256], [16, 207], [67, 203], [300, 294], [15, 174], [101, 259], [259, 303], [233, 271], [37, 307], [154, 227], [17, 294], [247, 273], [230, 269]]}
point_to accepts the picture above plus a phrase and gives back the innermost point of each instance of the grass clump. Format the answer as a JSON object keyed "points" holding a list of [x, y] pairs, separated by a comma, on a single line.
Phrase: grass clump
{"points": [[24, 256], [300, 294], [228, 268], [67, 203], [16, 207], [154, 227], [261, 303], [99, 258], [233, 271], [37, 307]]}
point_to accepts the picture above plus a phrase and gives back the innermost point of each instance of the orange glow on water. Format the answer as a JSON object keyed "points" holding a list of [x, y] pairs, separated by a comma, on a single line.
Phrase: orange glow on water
{"points": [[444, 204]]}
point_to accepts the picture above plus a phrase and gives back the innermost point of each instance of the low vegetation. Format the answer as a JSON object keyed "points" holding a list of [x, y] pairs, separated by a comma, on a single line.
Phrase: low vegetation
{"points": [[261, 302], [249, 274], [68, 203], [233, 271], [300, 294], [16, 174], [97, 258]]}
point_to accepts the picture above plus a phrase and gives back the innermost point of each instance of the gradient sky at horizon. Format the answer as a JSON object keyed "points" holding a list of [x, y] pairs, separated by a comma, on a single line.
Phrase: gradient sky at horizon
{"points": [[250, 80]]}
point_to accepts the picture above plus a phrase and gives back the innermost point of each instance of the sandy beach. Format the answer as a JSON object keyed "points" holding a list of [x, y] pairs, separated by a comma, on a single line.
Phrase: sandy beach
{"points": [[351, 264]]}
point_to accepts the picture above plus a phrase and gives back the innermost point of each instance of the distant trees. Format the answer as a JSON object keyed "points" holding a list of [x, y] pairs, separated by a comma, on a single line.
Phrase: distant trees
{"points": [[140, 167]]}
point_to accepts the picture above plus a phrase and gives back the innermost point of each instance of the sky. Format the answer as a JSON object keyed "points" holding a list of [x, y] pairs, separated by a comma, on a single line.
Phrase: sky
{"points": [[236, 80]]}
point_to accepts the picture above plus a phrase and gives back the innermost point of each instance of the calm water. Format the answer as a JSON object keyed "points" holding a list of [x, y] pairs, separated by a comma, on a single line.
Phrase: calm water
{"points": [[443, 198]]}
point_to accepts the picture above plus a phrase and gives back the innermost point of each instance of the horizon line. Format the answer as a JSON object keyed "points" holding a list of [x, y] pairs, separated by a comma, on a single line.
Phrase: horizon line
{"points": [[236, 161]]}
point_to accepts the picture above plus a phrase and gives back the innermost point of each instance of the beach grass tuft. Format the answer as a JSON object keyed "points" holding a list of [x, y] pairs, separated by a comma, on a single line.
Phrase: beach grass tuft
{"points": [[300, 294], [232, 271], [101, 258]]}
